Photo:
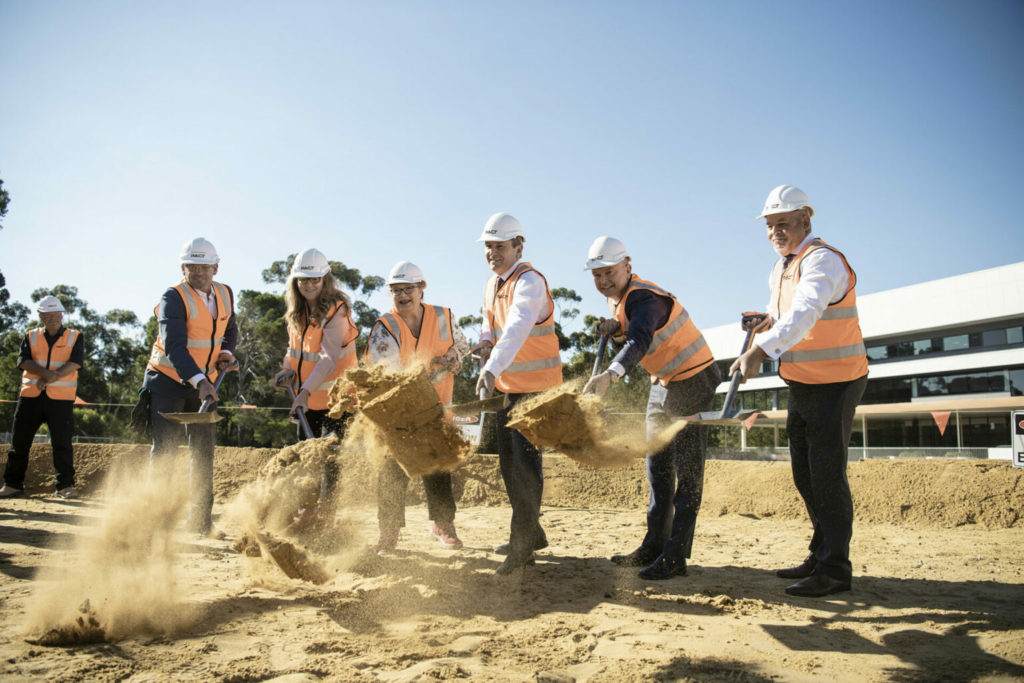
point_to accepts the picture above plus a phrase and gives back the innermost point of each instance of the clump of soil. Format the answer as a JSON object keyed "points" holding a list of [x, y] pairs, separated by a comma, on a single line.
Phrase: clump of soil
{"points": [[408, 420], [83, 630], [572, 423]]}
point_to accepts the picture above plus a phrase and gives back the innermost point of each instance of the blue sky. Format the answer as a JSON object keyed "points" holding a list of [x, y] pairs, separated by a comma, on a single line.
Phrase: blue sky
{"points": [[385, 131]]}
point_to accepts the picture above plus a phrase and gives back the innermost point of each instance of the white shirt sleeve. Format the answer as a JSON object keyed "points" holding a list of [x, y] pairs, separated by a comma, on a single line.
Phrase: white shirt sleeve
{"points": [[823, 280], [529, 306], [381, 347]]}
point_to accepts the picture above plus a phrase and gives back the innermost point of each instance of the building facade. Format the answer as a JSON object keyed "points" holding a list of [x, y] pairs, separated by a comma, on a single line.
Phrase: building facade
{"points": [[931, 346]]}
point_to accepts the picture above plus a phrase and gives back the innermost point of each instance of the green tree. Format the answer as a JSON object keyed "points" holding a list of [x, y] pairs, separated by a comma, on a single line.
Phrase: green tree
{"points": [[14, 319], [5, 200]]}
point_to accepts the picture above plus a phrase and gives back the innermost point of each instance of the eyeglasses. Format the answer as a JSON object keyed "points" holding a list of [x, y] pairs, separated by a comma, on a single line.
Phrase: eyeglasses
{"points": [[399, 291], [309, 281]]}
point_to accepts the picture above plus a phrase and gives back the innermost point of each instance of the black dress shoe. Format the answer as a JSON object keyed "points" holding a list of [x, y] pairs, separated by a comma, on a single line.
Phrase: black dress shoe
{"points": [[638, 558], [663, 568], [513, 562], [540, 544], [801, 571], [818, 585]]}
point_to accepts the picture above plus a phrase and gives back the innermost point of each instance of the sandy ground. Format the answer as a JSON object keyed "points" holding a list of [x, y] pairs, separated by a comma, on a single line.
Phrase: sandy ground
{"points": [[938, 554]]}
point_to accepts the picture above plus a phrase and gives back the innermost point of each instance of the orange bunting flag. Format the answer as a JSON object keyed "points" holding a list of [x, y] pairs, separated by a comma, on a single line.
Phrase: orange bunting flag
{"points": [[247, 406], [80, 402], [941, 418], [749, 422]]}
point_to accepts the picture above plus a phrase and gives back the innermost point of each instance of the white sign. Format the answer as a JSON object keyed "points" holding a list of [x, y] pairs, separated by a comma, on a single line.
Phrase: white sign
{"points": [[1018, 438], [471, 426]]}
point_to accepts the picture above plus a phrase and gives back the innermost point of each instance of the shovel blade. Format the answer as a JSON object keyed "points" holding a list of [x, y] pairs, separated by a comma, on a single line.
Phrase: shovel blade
{"points": [[193, 418], [481, 406], [715, 417]]}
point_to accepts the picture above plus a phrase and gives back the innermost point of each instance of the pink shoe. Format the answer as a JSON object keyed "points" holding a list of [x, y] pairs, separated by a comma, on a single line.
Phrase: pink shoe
{"points": [[445, 532], [388, 540]]}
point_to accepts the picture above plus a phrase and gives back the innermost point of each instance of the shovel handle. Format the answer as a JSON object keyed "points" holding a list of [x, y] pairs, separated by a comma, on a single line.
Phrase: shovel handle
{"points": [[734, 386], [208, 401], [284, 382], [602, 345]]}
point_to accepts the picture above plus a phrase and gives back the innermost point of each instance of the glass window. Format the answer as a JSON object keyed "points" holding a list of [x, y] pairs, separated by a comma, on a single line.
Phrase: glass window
{"points": [[1015, 335], [955, 343], [877, 353], [1017, 382], [994, 338], [922, 346]]}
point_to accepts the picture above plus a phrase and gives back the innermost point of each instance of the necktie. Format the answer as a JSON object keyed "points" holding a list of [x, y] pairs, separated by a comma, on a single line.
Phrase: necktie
{"points": [[786, 260]]}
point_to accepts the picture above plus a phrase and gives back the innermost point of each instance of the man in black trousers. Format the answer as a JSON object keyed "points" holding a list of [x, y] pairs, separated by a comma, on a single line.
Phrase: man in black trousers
{"points": [[50, 358], [813, 331]]}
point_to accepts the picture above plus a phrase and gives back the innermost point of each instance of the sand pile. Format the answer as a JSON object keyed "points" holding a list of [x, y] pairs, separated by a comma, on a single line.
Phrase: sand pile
{"points": [[125, 583], [573, 424], [407, 421]]}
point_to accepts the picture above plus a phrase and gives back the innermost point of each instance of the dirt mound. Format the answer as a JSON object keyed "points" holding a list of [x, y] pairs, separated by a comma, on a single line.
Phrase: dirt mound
{"points": [[407, 418], [938, 492]]}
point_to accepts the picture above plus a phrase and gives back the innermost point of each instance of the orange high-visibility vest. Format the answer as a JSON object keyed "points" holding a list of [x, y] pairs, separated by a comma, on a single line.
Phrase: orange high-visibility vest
{"points": [[304, 353], [677, 349], [833, 351], [51, 358], [537, 366], [435, 339], [205, 335]]}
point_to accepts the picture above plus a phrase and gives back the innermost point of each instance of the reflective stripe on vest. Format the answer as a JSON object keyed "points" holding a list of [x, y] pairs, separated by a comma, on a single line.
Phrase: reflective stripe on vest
{"points": [[833, 350], [51, 358], [537, 365], [304, 354], [204, 334], [678, 350], [435, 339]]}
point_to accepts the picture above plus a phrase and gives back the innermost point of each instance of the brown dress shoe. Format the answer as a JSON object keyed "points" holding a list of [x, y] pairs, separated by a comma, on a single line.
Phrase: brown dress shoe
{"points": [[818, 585], [801, 571]]}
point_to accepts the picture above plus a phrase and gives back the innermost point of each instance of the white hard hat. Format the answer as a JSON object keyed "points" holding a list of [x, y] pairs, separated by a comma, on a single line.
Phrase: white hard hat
{"points": [[605, 251], [199, 250], [783, 199], [501, 227], [405, 272], [50, 304], [310, 263]]}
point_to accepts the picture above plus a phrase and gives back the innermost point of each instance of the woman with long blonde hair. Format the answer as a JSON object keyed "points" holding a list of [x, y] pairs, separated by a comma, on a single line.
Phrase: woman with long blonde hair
{"points": [[321, 338]]}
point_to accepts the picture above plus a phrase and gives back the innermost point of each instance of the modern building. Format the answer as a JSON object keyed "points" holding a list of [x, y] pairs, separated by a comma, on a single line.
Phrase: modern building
{"points": [[949, 349]]}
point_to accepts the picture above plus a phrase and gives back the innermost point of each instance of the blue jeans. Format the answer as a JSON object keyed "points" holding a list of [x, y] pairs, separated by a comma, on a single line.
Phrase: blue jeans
{"points": [[167, 436], [676, 472]]}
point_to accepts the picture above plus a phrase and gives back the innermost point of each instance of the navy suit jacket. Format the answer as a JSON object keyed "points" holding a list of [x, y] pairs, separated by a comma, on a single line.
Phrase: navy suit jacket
{"points": [[173, 320]]}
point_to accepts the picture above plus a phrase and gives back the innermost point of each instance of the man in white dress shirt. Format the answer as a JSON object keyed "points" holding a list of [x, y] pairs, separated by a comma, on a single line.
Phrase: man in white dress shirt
{"points": [[813, 331], [520, 350]]}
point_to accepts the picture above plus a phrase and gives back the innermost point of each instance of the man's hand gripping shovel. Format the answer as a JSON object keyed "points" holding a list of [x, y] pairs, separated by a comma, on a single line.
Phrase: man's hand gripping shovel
{"points": [[204, 415]]}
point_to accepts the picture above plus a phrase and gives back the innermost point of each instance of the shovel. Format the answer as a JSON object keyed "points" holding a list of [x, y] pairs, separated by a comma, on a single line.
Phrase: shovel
{"points": [[728, 415], [284, 382], [484, 405], [204, 415]]}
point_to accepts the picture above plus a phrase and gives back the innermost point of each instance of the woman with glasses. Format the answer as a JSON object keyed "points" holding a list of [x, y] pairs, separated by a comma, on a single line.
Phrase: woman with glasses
{"points": [[413, 332]]}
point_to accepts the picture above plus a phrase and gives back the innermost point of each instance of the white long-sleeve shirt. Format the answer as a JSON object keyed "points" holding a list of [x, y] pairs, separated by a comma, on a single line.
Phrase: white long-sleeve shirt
{"points": [[529, 307], [823, 280]]}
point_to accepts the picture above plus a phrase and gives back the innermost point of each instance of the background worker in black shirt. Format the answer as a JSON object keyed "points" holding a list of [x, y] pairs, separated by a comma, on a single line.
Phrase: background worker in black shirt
{"points": [[50, 359]]}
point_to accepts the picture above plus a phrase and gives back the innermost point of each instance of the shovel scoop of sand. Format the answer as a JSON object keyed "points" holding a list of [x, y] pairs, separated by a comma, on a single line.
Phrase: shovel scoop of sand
{"points": [[572, 423]]}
